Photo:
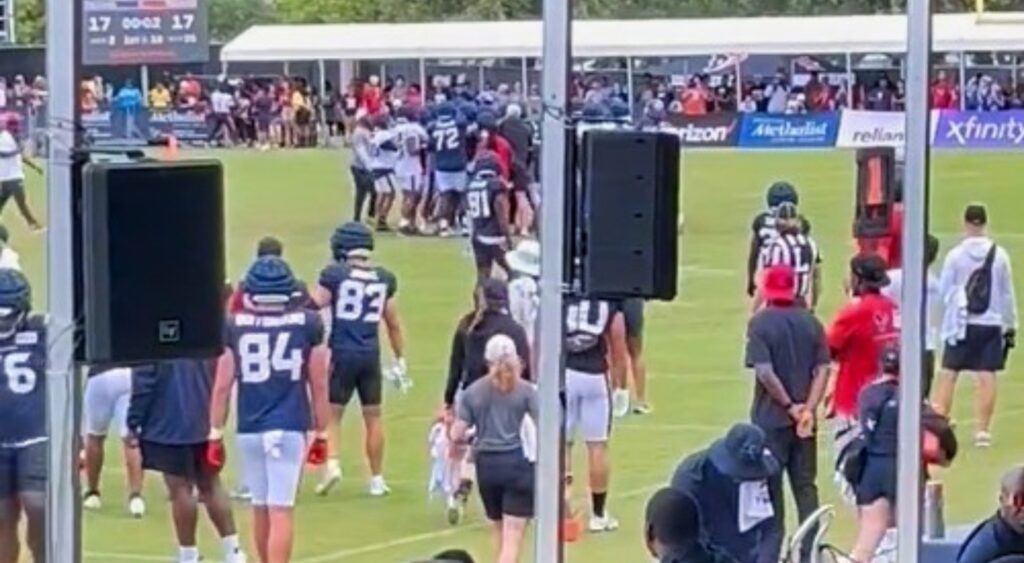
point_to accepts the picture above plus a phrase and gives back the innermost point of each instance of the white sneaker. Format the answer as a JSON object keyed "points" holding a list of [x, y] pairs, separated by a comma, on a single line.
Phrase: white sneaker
{"points": [[378, 488], [237, 557], [642, 409], [331, 477], [600, 524], [983, 440], [620, 402], [137, 507], [92, 501]]}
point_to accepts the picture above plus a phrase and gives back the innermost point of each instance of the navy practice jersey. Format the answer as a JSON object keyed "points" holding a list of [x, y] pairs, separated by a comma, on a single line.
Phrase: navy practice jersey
{"points": [[586, 322], [271, 353], [480, 207], [449, 144], [358, 296], [23, 385]]}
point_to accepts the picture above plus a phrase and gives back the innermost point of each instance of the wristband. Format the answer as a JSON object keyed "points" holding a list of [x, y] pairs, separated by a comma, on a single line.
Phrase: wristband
{"points": [[215, 434]]}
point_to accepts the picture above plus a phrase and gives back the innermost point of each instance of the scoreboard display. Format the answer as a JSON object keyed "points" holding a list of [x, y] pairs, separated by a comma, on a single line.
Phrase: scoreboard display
{"points": [[132, 32]]}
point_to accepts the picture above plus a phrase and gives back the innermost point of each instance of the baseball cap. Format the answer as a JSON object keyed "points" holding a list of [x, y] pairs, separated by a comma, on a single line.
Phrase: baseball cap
{"points": [[870, 269], [778, 284], [976, 215], [495, 292], [499, 347]]}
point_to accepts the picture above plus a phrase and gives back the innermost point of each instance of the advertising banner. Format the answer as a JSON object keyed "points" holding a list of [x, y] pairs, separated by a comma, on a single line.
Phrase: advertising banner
{"points": [[120, 129], [974, 129], [711, 130], [862, 129], [788, 131]]}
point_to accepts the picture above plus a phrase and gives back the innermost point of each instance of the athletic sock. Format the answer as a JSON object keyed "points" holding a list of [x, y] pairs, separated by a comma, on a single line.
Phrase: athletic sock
{"points": [[599, 500], [333, 466], [188, 554], [230, 545]]}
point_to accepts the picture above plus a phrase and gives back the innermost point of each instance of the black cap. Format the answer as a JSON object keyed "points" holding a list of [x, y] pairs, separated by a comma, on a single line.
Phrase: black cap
{"points": [[976, 215], [870, 269], [495, 292], [672, 518], [269, 246]]}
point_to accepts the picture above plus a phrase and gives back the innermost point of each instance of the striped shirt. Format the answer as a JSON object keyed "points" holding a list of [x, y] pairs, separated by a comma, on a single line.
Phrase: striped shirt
{"points": [[797, 251]]}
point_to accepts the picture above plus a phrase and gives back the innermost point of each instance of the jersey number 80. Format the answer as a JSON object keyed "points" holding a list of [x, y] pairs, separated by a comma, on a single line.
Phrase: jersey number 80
{"points": [[360, 301]]}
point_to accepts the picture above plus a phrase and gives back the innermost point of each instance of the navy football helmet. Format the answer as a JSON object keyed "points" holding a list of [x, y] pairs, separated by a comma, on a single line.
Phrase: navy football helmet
{"points": [[350, 237], [486, 163], [15, 301], [269, 277], [781, 192]]}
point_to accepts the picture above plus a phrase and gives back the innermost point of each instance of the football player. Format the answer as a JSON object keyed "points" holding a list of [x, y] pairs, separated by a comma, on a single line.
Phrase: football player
{"points": [[487, 207], [796, 249], [448, 144], [595, 350], [22, 418], [276, 355], [107, 394], [360, 295], [411, 138], [764, 230], [384, 153]]}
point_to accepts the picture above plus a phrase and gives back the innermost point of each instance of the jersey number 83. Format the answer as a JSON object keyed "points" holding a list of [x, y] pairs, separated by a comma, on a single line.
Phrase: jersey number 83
{"points": [[360, 301]]}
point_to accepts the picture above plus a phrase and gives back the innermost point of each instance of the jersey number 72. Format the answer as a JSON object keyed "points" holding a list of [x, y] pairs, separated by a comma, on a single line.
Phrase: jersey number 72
{"points": [[446, 139]]}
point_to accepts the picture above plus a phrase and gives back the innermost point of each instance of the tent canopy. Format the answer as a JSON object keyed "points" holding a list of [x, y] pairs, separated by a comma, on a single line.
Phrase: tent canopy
{"points": [[607, 38]]}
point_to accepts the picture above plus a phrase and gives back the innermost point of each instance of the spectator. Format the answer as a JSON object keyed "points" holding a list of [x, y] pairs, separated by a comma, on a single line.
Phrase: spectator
{"points": [[777, 95], [748, 105], [221, 104], [1001, 535], [189, 91], [129, 98], [672, 529], [817, 94], [786, 349], [695, 98], [980, 322], [90, 101], [729, 481], [943, 94], [159, 98], [881, 98], [725, 99], [372, 96]]}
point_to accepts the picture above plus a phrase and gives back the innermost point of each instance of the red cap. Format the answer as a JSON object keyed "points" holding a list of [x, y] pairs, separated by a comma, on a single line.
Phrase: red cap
{"points": [[778, 284]]}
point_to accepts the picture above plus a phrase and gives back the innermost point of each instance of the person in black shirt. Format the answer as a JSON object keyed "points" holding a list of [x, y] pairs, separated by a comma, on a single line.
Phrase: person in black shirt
{"points": [[1002, 535], [787, 350], [672, 528]]}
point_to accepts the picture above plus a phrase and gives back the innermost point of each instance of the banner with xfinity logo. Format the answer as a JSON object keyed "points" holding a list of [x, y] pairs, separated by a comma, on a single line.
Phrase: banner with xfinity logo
{"points": [[789, 131], [989, 130]]}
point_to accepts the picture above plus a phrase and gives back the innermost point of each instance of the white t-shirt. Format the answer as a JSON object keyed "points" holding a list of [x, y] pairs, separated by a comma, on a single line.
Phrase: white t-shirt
{"points": [[411, 138], [383, 150], [933, 302], [11, 167], [221, 102]]}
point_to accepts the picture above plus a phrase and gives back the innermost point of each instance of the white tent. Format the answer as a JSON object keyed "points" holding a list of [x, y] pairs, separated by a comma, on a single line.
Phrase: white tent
{"points": [[623, 38]]}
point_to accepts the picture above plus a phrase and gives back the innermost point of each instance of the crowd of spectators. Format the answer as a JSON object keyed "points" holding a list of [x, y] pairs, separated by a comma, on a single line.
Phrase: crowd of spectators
{"points": [[19, 94]]}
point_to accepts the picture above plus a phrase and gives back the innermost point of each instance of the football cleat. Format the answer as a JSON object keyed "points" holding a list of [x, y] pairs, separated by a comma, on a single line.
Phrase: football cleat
{"points": [[620, 403], [601, 524], [378, 487], [92, 501], [136, 506], [332, 476]]}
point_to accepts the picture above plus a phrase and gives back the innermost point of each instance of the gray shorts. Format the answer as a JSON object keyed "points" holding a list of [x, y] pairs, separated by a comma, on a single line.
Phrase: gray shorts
{"points": [[588, 405], [272, 466], [450, 181]]}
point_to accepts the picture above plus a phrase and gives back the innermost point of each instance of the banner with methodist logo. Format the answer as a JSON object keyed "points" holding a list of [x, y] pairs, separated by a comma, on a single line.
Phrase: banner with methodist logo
{"points": [[759, 130], [976, 129], [119, 128], [711, 130], [861, 129]]}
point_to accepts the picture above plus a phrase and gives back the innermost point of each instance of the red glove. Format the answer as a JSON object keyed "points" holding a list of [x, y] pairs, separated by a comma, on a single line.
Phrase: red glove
{"points": [[215, 455], [317, 452]]}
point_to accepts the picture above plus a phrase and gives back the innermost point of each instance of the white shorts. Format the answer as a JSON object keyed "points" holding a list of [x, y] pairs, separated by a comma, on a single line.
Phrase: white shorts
{"points": [[384, 182], [107, 395], [272, 466], [450, 181], [588, 406], [410, 182]]}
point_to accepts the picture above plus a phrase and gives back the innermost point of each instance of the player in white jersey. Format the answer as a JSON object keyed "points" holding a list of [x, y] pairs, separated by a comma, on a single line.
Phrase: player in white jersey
{"points": [[412, 140], [384, 153], [12, 172], [107, 394]]}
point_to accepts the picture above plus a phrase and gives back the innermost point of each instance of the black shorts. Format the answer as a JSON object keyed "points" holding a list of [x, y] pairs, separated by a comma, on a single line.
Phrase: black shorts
{"points": [[506, 483], [980, 350], [487, 255], [356, 373], [186, 460], [929, 373], [362, 178], [11, 188], [633, 315], [22, 470], [877, 481]]}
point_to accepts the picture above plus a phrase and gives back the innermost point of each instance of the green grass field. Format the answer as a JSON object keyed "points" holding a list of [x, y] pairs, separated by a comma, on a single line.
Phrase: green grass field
{"points": [[698, 385]]}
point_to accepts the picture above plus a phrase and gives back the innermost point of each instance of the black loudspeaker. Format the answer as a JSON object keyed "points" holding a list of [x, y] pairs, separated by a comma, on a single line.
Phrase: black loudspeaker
{"points": [[630, 214], [153, 260], [877, 192]]}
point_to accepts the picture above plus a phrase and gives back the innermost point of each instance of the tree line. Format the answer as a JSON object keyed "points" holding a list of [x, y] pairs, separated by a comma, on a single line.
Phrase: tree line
{"points": [[230, 17]]}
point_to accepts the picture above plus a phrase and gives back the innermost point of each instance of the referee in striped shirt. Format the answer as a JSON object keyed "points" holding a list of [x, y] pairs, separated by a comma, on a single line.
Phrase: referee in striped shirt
{"points": [[794, 248]]}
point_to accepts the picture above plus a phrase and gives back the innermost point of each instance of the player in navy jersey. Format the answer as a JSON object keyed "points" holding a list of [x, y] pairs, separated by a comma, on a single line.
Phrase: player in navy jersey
{"points": [[275, 353], [764, 228], [487, 207], [360, 295], [448, 145], [594, 333], [22, 418]]}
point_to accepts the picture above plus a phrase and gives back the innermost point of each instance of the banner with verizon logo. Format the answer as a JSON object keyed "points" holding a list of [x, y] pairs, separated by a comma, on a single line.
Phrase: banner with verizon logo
{"points": [[711, 130], [861, 129]]}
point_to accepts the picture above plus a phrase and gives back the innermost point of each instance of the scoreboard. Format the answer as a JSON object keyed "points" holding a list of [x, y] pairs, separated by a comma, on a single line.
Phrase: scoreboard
{"points": [[132, 32]]}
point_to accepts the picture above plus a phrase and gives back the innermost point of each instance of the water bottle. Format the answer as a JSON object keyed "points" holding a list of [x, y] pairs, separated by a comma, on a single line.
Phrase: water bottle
{"points": [[935, 522]]}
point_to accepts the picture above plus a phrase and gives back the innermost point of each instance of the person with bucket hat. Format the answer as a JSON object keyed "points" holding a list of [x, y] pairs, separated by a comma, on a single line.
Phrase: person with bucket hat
{"points": [[523, 291], [786, 349], [730, 482]]}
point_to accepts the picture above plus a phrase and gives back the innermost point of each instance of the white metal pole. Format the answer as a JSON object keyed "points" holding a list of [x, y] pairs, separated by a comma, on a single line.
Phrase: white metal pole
{"points": [[424, 87], [550, 445], [144, 83], [963, 80], [524, 81], [739, 79], [908, 484], [63, 519], [322, 69], [850, 79], [630, 86]]}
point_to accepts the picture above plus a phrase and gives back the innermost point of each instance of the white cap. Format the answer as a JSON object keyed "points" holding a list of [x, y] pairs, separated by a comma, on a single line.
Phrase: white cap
{"points": [[525, 259], [513, 110], [500, 347]]}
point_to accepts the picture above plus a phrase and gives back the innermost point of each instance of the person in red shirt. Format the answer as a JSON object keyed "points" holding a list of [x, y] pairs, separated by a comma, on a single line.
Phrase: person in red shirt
{"points": [[856, 338], [491, 140], [943, 96], [372, 96]]}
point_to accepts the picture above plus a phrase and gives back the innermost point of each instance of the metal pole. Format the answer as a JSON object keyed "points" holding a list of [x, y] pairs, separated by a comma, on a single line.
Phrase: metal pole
{"points": [[550, 445], [63, 517], [908, 484], [963, 80], [739, 79], [144, 83], [322, 69], [424, 87], [849, 80], [524, 82], [630, 86]]}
